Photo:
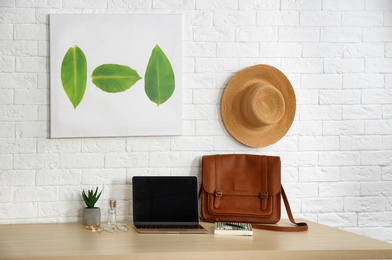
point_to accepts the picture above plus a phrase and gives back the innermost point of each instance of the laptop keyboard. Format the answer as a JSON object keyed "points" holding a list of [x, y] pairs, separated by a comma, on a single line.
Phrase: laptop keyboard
{"points": [[169, 226]]}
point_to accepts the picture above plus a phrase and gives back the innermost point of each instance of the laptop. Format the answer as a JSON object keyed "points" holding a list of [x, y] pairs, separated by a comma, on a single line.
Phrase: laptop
{"points": [[166, 205]]}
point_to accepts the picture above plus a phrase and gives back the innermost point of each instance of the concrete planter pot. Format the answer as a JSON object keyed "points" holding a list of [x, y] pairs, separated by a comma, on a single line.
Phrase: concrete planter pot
{"points": [[91, 216]]}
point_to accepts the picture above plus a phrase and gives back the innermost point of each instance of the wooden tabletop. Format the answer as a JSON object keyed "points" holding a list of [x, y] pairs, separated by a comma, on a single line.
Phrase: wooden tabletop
{"points": [[72, 241]]}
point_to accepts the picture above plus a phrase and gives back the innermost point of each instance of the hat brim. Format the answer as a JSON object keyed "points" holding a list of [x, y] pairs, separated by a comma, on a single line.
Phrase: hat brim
{"points": [[234, 122]]}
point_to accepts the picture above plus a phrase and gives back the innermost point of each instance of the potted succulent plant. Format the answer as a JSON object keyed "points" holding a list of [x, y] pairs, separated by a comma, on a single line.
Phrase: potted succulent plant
{"points": [[91, 214]]}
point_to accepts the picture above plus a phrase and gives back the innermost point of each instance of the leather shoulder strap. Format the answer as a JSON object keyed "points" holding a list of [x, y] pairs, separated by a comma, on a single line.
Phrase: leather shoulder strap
{"points": [[298, 226]]}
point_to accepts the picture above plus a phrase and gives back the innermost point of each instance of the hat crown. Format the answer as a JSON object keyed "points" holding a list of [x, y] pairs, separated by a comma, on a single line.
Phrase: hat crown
{"points": [[262, 104]]}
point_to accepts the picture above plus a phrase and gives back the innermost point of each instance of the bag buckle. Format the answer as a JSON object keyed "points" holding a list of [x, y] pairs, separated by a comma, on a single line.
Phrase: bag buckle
{"points": [[264, 194], [218, 193]]}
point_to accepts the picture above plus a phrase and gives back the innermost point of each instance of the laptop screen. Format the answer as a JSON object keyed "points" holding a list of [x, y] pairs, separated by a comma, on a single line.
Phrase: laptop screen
{"points": [[160, 200]]}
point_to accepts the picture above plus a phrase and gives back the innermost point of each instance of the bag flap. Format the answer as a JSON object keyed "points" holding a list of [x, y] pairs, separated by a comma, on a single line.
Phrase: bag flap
{"points": [[241, 174]]}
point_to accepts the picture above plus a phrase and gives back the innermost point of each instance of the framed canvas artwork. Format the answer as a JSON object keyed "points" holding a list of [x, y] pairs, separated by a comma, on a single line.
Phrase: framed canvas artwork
{"points": [[115, 75]]}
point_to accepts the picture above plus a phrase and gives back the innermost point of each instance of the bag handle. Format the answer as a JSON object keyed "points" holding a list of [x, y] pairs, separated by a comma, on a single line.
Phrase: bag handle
{"points": [[299, 226]]}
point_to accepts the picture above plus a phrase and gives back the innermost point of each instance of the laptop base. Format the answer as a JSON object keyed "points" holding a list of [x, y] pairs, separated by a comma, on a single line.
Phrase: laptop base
{"points": [[170, 230]]}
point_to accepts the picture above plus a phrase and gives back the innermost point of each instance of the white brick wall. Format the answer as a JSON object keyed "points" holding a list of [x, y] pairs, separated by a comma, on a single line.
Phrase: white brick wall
{"points": [[336, 158]]}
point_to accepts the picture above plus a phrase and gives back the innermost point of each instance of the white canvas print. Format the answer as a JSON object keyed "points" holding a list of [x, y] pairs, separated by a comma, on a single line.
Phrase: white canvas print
{"points": [[115, 75]]}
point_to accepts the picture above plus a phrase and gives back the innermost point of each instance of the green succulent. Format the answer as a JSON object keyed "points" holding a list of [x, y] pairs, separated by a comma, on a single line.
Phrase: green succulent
{"points": [[91, 197]]}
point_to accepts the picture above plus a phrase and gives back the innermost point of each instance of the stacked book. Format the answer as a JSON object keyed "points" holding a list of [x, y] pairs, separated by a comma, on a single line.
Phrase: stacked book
{"points": [[233, 228]]}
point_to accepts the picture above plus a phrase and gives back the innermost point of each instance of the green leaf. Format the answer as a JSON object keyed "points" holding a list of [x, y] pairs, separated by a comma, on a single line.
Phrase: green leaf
{"points": [[159, 80], [91, 198], [74, 75], [114, 78]]}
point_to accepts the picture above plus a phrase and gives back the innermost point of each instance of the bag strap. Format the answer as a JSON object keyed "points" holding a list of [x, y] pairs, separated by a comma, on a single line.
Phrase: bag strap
{"points": [[299, 226]]}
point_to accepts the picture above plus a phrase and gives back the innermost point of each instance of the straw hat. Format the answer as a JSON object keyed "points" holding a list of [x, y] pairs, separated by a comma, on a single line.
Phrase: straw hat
{"points": [[258, 106]]}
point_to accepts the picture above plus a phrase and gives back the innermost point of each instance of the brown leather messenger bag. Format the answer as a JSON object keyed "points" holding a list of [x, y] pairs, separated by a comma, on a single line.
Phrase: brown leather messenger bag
{"points": [[245, 188]]}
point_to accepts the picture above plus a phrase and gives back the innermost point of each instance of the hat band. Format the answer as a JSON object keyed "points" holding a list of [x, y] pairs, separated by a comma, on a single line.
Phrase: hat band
{"points": [[262, 104]]}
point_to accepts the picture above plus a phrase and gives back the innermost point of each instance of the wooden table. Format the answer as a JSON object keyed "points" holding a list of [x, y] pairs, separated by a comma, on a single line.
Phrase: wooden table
{"points": [[72, 241]]}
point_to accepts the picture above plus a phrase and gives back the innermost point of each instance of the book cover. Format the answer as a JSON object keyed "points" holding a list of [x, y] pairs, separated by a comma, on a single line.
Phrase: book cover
{"points": [[233, 228]]}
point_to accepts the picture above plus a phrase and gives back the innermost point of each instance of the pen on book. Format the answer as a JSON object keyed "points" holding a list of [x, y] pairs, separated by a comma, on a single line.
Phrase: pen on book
{"points": [[234, 225]]}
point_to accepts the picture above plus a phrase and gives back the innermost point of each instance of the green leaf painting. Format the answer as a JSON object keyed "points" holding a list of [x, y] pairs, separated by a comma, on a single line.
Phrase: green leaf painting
{"points": [[114, 78], [74, 75], [159, 80]]}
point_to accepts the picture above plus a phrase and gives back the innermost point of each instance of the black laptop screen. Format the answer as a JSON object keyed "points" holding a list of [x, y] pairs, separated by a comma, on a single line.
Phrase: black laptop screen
{"points": [[165, 199]]}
